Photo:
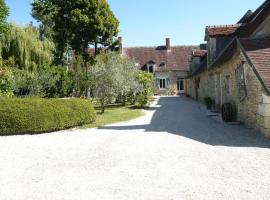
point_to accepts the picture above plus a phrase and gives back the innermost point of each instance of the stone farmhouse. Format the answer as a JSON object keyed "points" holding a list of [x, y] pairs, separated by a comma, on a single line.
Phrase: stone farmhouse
{"points": [[169, 64], [234, 67]]}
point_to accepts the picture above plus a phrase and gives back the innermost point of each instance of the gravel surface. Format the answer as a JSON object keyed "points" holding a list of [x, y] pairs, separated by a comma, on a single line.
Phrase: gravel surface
{"points": [[174, 152]]}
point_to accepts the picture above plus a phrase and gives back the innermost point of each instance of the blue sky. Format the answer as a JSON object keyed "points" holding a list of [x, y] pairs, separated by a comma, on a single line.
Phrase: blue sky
{"points": [[149, 22]]}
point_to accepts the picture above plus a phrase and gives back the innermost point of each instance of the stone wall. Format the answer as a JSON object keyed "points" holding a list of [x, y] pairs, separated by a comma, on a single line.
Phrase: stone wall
{"points": [[247, 108], [202, 83], [221, 85], [173, 77]]}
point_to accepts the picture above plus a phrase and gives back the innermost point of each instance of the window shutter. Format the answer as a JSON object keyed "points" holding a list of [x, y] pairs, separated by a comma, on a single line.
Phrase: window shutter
{"points": [[157, 83], [167, 82]]}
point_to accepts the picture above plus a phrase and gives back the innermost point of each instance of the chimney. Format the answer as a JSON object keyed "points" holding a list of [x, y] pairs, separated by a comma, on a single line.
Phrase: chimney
{"points": [[120, 40], [168, 44]]}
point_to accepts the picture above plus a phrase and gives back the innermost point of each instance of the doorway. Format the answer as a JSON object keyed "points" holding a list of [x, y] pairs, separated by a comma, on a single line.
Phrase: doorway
{"points": [[181, 86]]}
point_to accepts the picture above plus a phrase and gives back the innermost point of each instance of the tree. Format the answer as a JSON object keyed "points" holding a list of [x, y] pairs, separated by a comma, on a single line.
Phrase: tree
{"points": [[104, 75], [111, 76], [80, 77], [77, 23], [128, 85], [4, 12], [23, 46], [146, 81]]}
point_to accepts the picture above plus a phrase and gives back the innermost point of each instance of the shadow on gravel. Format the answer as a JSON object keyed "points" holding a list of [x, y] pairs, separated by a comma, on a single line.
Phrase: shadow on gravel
{"points": [[182, 116]]}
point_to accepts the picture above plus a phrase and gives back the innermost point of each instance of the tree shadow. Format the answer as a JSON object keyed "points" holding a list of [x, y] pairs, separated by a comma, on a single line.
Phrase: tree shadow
{"points": [[182, 116]]}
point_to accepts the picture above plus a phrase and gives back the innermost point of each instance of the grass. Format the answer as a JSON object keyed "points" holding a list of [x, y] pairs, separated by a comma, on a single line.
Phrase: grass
{"points": [[115, 113]]}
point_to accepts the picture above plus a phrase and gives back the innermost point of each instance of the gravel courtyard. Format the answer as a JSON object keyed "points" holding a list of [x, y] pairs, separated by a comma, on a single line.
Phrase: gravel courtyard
{"points": [[174, 152]]}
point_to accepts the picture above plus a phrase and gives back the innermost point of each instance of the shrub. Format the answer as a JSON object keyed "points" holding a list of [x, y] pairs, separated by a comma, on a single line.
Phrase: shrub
{"points": [[49, 82], [146, 81], [6, 83], [34, 115], [171, 90], [27, 84]]}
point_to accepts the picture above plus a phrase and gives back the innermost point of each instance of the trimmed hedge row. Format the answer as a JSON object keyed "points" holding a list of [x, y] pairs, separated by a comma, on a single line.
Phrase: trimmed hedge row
{"points": [[34, 115]]}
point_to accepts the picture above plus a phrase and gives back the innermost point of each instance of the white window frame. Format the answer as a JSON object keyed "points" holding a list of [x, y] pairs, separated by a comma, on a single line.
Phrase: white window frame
{"points": [[179, 85], [162, 83], [150, 65]]}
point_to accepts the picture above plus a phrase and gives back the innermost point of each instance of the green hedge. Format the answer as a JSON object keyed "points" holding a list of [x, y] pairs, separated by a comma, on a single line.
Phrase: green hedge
{"points": [[34, 115]]}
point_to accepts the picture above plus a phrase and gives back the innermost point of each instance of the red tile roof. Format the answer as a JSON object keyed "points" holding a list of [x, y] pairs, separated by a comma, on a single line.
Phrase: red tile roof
{"points": [[223, 30], [199, 53], [175, 59], [258, 51]]}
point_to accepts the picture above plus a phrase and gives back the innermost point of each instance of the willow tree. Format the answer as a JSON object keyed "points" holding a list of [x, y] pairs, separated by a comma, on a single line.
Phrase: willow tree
{"points": [[24, 48], [4, 11]]}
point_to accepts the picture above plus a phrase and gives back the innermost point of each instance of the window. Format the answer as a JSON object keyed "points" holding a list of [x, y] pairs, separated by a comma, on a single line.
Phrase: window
{"points": [[151, 69], [180, 85], [162, 83]]}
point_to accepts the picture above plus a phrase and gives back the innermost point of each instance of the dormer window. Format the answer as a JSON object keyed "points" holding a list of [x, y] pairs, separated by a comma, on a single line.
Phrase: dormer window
{"points": [[151, 67]]}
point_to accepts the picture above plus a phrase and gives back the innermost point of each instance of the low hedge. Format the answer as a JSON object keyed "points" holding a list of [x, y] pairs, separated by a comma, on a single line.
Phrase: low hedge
{"points": [[34, 115]]}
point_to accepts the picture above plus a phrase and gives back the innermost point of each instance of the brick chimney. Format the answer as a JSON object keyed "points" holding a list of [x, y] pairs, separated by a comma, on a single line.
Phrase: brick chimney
{"points": [[168, 44]]}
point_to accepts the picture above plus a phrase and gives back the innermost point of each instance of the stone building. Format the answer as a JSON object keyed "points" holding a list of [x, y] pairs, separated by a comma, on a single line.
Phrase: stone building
{"points": [[169, 64], [236, 68]]}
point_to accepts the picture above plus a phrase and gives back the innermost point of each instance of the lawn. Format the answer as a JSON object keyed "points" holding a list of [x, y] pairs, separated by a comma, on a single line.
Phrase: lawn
{"points": [[115, 114]]}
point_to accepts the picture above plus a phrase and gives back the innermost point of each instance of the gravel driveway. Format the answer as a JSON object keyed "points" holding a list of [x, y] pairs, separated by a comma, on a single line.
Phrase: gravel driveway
{"points": [[174, 152]]}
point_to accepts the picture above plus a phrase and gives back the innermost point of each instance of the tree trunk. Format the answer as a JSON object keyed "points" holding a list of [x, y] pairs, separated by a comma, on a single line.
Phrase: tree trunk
{"points": [[96, 47], [102, 106], [88, 95], [124, 99]]}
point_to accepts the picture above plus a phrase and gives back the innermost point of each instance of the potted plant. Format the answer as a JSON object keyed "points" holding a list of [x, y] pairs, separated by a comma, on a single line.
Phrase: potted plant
{"points": [[208, 102]]}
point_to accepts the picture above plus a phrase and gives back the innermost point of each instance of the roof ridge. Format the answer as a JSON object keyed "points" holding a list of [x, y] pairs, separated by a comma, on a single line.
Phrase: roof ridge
{"points": [[225, 26], [138, 47]]}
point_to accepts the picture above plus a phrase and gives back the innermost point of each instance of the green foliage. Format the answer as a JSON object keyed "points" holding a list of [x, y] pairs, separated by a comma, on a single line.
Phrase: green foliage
{"points": [[27, 84], [78, 24], [111, 76], [104, 76], [54, 81], [146, 81], [21, 47], [127, 83], [4, 11], [18, 116], [80, 77], [6, 83], [115, 114]]}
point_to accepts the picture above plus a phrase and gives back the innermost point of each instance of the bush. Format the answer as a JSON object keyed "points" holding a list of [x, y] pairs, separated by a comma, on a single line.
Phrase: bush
{"points": [[34, 115], [6, 83], [171, 90], [146, 82], [27, 84], [49, 82]]}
